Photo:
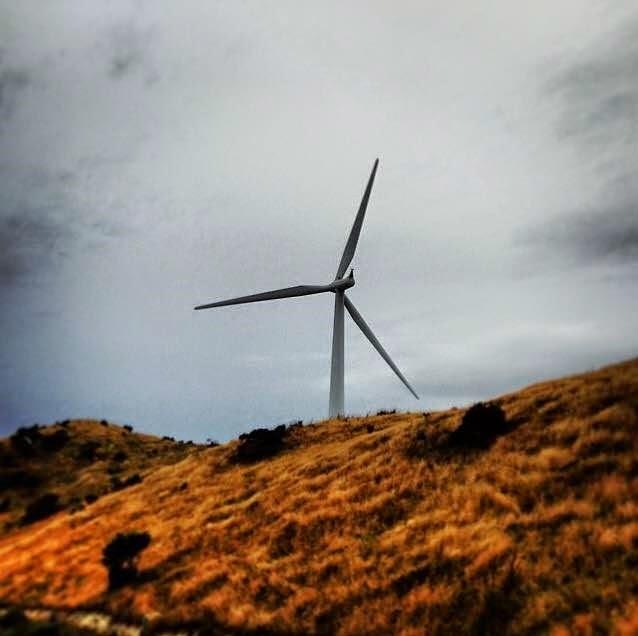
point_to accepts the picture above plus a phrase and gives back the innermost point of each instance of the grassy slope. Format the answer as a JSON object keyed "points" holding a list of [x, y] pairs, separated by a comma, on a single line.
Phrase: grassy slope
{"points": [[72, 473], [372, 525]]}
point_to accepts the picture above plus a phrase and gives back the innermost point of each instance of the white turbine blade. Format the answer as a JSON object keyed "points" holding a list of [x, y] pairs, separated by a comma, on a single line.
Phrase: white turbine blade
{"points": [[288, 292], [351, 244], [361, 323]]}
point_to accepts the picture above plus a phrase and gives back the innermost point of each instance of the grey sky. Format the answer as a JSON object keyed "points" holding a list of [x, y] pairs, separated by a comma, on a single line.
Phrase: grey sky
{"points": [[159, 155]]}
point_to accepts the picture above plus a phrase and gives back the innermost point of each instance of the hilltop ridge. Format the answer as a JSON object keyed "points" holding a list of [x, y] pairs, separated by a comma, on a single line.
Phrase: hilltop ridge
{"points": [[363, 525]]}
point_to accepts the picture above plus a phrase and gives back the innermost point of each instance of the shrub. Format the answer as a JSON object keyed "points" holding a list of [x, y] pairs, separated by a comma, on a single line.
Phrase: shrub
{"points": [[91, 498], [8, 459], [128, 427], [133, 479], [25, 439], [14, 622], [420, 444], [75, 504], [88, 450], [294, 426], [120, 557], [19, 479], [259, 444], [384, 412], [116, 483], [5, 504], [213, 442], [166, 438], [104, 422], [119, 484], [120, 456], [14, 619], [44, 506], [54, 441], [482, 423]]}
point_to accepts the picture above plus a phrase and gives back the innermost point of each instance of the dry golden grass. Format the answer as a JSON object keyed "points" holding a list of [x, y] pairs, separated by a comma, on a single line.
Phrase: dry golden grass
{"points": [[375, 526]]}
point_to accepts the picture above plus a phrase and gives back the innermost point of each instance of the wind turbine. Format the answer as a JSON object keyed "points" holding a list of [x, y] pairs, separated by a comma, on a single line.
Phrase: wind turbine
{"points": [[338, 287]]}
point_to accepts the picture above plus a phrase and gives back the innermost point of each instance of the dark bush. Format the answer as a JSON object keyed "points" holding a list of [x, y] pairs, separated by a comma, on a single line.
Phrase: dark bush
{"points": [[213, 442], [25, 440], [384, 412], [65, 423], [132, 480], [14, 619], [88, 450], [120, 456], [260, 444], [5, 504], [8, 458], [482, 423], [166, 438], [18, 479], [91, 498], [119, 484], [419, 444], [42, 507], [120, 557], [104, 423], [54, 441], [128, 427], [75, 504], [15, 622], [183, 486]]}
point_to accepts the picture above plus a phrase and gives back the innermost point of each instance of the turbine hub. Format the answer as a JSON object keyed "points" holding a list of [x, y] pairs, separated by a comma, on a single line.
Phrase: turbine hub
{"points": [[341, 284]]}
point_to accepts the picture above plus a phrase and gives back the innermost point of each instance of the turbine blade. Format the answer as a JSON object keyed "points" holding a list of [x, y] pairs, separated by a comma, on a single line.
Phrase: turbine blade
{"points": [[287, 292], [351, 244], [361, 323]]}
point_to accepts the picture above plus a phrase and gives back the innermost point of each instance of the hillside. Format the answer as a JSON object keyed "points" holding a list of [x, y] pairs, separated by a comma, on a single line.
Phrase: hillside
{"points": [[366, 525], [79, 460]]}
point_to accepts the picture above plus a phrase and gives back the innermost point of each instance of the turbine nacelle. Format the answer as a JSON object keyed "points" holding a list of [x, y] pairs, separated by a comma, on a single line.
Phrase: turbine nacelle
{"points": [[341, 284]]}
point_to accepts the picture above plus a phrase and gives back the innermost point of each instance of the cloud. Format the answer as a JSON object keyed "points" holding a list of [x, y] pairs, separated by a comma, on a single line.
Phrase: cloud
{"points": [[121, 206], [607, 232], [599, 93], [12, 82], [28, 240], [597, 97], [34, 225], [41, 223], [129, 52]]}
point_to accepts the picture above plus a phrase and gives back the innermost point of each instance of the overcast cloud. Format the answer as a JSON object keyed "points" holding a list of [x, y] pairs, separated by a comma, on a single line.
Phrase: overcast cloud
{"points": [[159, 155]]}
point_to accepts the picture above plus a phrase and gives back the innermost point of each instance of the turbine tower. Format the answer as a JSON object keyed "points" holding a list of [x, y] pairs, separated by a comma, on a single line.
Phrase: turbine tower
{"points": [[338, 287]]}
